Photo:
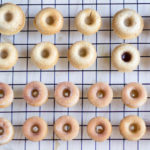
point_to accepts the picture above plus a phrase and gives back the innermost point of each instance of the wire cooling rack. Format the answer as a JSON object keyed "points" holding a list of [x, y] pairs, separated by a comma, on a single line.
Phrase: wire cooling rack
{"points": [[105, 40]]}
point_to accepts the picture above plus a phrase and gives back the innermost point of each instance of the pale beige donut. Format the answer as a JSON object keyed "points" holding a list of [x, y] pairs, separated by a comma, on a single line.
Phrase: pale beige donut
{"points": [[8, 56], [127, 24], [48, 21], [88, 21], [132, 128], [134, 95], [99, 129], [35, 93], [6, 131], [35, 129], [125, 57], [12, 19], [45, 55], [100, 94], [82, 55], [6, 95], [66, 128]]}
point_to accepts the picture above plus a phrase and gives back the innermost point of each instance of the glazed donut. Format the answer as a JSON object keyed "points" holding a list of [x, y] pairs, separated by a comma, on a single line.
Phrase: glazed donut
{"points": [[127, 24], [132, 128], [48, 21], [6, 131], [35, 129], [99, 129], [66, 94], [88, 21], [134, 95], [12, 19], [82, 55], [100, 95], [125, 58], [45, 55], [8, 56], [35, 93], [66, 128]]}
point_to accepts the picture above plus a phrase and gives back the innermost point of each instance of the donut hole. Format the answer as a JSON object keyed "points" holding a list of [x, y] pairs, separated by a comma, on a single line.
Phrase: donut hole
{"points": [[100, 94], [134, 128], [134, 94], [99, 129], [128, 22], [1, 131], [4, 54], [83, 52], [1, 93], [8, 17], [66, 92], [67, 127], [126, 57], [45, 53], [89, 20], [50, 20], [35, 93], [35, 129]]}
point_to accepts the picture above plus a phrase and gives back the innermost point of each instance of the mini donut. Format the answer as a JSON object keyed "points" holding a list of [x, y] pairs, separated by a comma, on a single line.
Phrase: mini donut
{"points": [[88, 21], [82, 55], [8, 56], [99, 129], [66, 128], [45, 55], [134, 95], [12, 19], [66, 94], [125, 58], [6, 131], [35, 93], [48, 21], [127, 24], [132, 128], [100, 94], [35, 129]]}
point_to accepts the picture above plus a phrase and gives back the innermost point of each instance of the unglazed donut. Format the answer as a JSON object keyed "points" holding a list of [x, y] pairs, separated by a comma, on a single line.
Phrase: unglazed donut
{"points": [[6, 131], [82, 55], [127, 24], [99, 129], [12, 19], [66, 94], [100, 94], [48, 21], [88, 21], [8, 56], [125, 58], [35, 129], [66, 128], [134, 95], [45, 55], [132, 128], [35, 93]]}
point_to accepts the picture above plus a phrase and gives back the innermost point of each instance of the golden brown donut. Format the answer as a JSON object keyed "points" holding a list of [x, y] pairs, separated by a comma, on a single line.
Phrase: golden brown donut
{"points": [[100, 94], [66, 128], [12, 19], [134, 95], [35, 93], [82, 55], [88, 21], [35, 129], [48, 21], [66, 94], [127, 24], [99, 129], [132, 128]]}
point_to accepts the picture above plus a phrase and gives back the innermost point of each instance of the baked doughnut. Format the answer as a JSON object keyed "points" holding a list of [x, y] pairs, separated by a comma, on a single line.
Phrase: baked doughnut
{"points": [[88, 21], [6, 95], [125, 58], [99, 129], [35, 93], [8, 56], [35, 129], [66, 128], [66, 94], [134, 95], [132, 128], [48, 21], [100, 94], [12, 19], [6, 131], [45, 55], [82, 55], [127, 24]]}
